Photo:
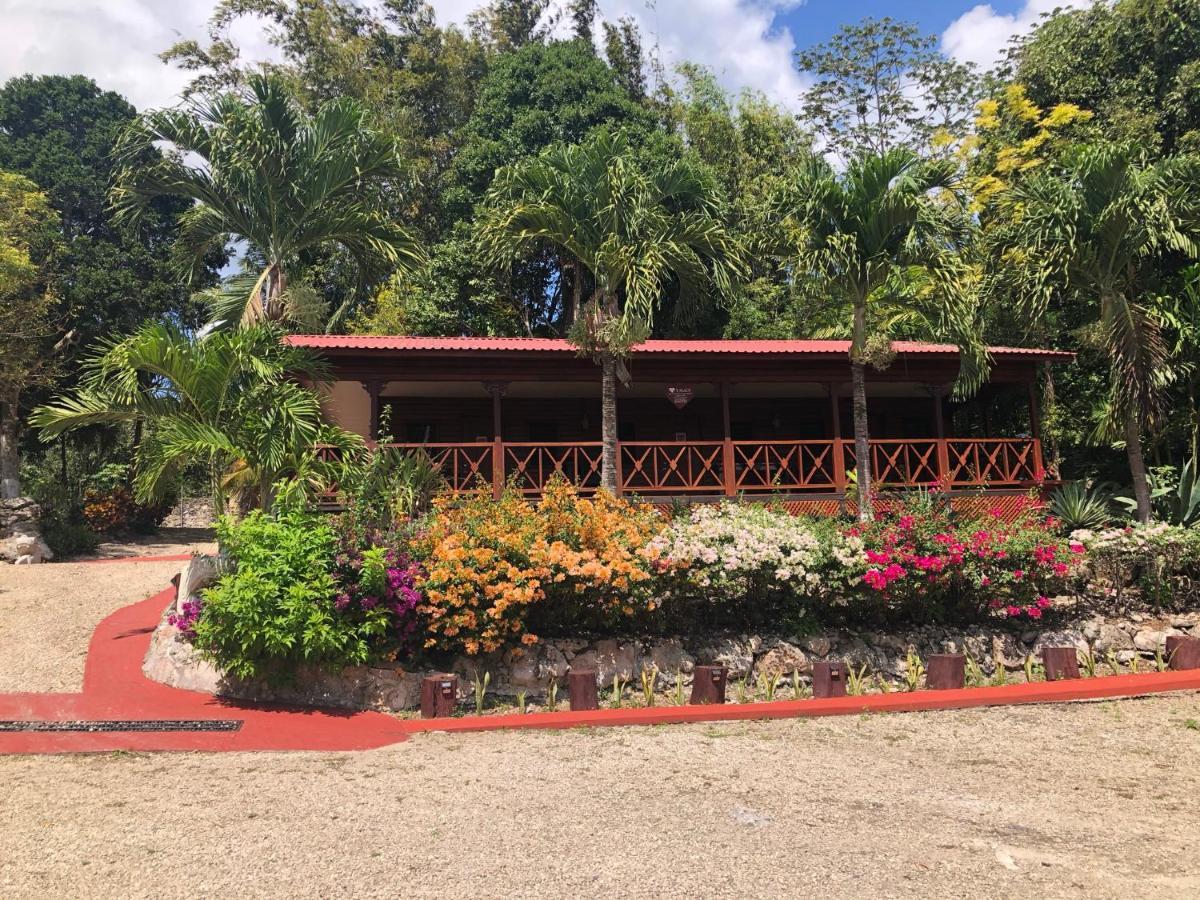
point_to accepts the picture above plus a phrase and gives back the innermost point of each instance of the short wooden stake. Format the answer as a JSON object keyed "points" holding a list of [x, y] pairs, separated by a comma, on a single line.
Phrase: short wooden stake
{"points": [[708, 684], [581, 688], [439, 693], [1060, 663], [946, 672], [1183, 652], [829, 679]]}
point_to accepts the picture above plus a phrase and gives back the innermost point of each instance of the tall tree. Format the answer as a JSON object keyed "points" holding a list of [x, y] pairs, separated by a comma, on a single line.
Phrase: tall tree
{"points": [[1091, 232], [28, 233], [1134, 63], [633, 234], [60, 132], [285, 183], [882, 231], [508, 25], [882, 84], [623, 49], [583, 18]]}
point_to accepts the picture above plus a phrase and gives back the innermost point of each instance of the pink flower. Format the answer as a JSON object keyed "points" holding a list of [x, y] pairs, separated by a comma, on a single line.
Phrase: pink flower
{"points": [[875, 579], [878, 558], [1060, 568], [1075, 547], [984, 581], [1018, 574], [1013, 611], [1043, 602], [906, 522], [1033, 612]]}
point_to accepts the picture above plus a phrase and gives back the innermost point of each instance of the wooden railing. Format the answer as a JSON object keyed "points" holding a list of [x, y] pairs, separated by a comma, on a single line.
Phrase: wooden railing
{"points": [[667, 468]]}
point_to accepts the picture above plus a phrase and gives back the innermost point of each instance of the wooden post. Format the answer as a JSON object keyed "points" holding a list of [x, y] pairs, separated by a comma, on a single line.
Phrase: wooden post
{"points": [[727, 472], [581, 688], [708, 684], [839, 456], [1183, 652], [1060, 663], [497, 389], [946, 671], [1035, 429], [373, 389], [829, 679], [438, 696], [939, 424]]}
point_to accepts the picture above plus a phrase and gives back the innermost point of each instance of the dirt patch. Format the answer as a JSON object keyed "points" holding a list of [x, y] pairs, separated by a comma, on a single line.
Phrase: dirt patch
{"points": [[978, 803]]}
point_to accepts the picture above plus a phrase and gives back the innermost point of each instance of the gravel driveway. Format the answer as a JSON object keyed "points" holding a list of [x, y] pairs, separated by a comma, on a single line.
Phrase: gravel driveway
{"points": [[1094, 800]]}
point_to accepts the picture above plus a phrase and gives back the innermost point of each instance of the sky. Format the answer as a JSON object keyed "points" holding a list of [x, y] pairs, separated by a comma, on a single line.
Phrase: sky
{"points": [[748, 43]]}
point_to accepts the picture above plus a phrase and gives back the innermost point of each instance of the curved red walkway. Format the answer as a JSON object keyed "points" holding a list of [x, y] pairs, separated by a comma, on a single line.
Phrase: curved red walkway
{"points": [[115, 688]]}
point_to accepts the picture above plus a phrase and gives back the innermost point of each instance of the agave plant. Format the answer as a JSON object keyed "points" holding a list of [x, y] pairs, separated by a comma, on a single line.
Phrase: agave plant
{"points": [[1080, 505], [1178, 504]]}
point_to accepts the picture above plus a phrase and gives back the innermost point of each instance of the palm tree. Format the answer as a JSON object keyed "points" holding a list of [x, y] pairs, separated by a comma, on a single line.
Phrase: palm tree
{"points": [[1095, 230], [263, 173], [228, 400], [881, 242], [631, 233]]}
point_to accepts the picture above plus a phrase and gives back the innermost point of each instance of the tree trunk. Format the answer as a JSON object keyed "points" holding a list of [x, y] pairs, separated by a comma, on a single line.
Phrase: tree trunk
{"points": [[10, 433], [1137, 465], [608, 421], [862, 441], [1049, 436]]}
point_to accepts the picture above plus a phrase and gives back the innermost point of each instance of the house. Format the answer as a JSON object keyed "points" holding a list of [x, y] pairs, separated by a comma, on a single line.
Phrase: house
{"points": [[699, 418]]}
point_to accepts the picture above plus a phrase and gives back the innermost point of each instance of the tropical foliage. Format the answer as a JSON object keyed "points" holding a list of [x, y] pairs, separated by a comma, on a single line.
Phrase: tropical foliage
{"points": [[259, 170], [227, 401]]}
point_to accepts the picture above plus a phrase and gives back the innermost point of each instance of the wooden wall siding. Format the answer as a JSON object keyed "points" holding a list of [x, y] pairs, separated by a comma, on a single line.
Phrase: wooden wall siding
{"points": [[466, 419]]}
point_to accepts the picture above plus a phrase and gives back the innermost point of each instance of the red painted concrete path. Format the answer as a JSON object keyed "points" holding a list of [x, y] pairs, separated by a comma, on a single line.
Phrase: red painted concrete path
{"points": [[115, 688]]}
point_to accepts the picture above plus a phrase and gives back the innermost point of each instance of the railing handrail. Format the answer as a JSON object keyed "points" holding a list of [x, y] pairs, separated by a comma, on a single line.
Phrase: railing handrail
{"points": [[688, 467]]}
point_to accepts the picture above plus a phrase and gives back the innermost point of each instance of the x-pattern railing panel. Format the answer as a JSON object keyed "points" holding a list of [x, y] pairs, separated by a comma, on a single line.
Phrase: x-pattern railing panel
{"points": [[981, 461], [530, 466], [465, 467], [783, 465], [672, 467]]}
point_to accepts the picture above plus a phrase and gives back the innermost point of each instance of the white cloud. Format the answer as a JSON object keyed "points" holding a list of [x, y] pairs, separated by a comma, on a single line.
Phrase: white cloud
{"points": [[980, 34], [735, 38], [116, 42]]}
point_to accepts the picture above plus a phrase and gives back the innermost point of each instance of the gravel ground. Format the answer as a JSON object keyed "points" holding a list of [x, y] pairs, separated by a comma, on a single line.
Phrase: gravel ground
{"points": [[1079, 800], [48, 612]]}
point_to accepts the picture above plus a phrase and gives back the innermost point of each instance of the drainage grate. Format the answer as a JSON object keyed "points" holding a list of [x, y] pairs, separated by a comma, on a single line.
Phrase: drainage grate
{"points": [[127, 725]]}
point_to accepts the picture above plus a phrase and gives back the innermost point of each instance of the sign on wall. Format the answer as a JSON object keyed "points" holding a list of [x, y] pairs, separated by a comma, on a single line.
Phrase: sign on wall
{"points": [[680, 394]]}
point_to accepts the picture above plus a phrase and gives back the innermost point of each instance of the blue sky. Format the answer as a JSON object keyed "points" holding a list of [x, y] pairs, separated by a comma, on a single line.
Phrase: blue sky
{"points": [[748, 43]]}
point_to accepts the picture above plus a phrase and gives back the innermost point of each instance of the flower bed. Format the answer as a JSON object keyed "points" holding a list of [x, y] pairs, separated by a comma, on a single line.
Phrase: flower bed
{"points": [[477, 577]]}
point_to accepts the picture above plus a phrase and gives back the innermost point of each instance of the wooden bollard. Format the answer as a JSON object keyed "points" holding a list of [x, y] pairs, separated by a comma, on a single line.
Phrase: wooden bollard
{"points": [[1060, 663], [581, 688], [1183, 652], [829, 679], [439, 693], [946, 672], [708, 684]]}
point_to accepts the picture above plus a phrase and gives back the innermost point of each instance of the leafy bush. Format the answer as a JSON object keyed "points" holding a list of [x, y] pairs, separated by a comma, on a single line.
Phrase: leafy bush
{"points": [[282, 605], [116, 509], [737, 564], [498, 569], [1159, 560], [922, 562]]}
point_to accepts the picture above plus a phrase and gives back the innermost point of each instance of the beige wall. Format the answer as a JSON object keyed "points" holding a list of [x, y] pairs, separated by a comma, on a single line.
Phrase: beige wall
{"points": [[347, 405]]}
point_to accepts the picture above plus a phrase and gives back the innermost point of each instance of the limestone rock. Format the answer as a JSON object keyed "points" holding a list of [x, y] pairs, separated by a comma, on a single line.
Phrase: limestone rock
{"points": [[610, 658], [783, 659], [1110, 637], [735, 653], [818, 646], [669, 657], [199, 572]]}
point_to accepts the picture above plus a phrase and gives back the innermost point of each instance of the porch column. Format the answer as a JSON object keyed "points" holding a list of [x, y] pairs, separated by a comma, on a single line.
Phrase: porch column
{"points": [[939, 392], [373, 389], [839, 454], [1035, 427], [727, 473], [497, 389]]}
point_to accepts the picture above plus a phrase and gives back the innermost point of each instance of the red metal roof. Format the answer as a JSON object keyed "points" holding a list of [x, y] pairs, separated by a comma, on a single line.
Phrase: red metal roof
{"points": [[401, 343]]}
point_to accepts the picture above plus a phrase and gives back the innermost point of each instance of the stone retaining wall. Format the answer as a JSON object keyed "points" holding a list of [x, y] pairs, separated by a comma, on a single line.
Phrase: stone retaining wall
{"points": [[174, 662]]}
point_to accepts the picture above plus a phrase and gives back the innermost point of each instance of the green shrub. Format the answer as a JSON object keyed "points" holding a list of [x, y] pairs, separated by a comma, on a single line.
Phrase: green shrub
{"points": [[277, 607]]}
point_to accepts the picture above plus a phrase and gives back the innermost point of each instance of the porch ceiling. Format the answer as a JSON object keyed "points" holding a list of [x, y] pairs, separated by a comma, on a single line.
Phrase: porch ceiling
{"points": [[642, 389]]}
